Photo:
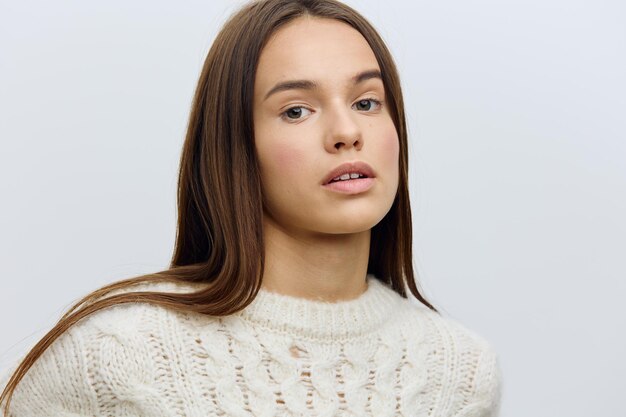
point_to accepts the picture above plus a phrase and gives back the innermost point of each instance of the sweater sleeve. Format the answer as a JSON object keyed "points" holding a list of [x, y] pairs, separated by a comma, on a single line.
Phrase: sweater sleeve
{"points": [[488, 387], [58, 383]]}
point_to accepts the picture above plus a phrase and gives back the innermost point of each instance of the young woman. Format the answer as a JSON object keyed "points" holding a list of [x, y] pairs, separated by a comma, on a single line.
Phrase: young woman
{"points": [[287, 289]]}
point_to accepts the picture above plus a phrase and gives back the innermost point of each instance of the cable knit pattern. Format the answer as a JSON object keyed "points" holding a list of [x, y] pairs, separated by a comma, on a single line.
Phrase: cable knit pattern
{"points": [[375, 355]]}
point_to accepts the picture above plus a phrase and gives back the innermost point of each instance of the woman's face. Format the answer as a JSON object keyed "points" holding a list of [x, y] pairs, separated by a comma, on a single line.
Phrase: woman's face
{"points": [[303, 131]]}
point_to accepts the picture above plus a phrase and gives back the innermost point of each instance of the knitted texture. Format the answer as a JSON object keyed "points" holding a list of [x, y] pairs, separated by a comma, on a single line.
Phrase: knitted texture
{"points": [[375, 355]]}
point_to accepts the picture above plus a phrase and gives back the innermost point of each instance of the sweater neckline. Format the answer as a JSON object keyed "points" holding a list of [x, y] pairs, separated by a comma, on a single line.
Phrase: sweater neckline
{"points": [[323, 320]]}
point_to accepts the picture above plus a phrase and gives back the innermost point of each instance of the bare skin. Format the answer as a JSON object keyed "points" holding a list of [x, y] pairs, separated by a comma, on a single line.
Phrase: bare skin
{"points": [[316, 240]]}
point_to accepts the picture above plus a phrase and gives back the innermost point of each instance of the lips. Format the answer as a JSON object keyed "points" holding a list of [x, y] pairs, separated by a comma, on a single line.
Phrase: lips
{"points": [[349, 167]]}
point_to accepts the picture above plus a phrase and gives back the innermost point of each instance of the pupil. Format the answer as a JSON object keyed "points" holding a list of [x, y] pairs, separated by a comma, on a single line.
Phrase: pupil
{"points": [[366, 104], [295, 111]]}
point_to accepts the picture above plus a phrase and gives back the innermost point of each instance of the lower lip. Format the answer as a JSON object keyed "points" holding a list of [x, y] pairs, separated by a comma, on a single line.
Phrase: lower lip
{"points": [[355, 186]]}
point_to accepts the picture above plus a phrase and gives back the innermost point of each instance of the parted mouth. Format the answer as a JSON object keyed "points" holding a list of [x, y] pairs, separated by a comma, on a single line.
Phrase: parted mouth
{"points": [[348, 171]]}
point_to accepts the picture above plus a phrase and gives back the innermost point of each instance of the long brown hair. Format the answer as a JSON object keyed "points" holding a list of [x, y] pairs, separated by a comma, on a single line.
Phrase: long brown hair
{"points": [[219, 240]]}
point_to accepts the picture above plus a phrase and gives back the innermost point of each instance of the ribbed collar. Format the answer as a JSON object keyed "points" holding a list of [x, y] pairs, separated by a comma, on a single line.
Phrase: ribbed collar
{"points": [[321, 320]]}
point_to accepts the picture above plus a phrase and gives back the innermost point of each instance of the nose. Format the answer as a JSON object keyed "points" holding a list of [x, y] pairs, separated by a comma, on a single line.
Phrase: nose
{"points": [[343, 131]]}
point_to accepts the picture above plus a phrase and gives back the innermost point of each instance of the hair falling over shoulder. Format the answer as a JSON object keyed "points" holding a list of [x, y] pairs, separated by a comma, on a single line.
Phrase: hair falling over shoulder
{"points": [[219, 239]]}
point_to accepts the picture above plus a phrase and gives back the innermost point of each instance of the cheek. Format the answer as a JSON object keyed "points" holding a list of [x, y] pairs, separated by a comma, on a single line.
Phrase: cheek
{"points": [[390, 154], [391, 147], [282, 164], [287, 160]]}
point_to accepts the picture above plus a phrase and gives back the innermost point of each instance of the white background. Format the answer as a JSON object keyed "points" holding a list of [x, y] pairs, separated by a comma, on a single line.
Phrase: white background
{"points": [[516, 115]]}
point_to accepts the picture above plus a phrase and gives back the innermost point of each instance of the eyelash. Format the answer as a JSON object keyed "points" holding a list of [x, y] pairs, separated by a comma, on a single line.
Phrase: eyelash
{"points": [[283, 115]]}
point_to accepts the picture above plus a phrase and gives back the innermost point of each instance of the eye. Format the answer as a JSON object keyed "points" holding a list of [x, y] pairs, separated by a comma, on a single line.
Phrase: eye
{"points": [[293, 113], [365, 103]]}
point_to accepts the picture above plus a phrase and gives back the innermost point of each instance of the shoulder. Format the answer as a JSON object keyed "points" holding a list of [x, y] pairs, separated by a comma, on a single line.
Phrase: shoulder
{"points": [[458, 331], [131, 334], [134, 316], [461, 359], [111, 353], [436, 328]]}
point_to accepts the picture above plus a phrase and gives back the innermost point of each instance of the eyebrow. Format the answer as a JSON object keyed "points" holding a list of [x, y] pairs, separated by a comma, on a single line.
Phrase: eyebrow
{"points": [[312, 85]]}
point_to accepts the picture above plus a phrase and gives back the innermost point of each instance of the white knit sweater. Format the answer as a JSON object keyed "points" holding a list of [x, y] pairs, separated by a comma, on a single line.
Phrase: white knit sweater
{"points": [[376, 355]]}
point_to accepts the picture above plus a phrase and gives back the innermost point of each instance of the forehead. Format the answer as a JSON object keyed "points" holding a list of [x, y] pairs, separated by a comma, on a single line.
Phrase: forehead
{"points": [[325, 50]]}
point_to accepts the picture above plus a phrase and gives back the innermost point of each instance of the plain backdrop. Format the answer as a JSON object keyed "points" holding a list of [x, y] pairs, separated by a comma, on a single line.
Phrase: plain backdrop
{"points": [[516, 113]]}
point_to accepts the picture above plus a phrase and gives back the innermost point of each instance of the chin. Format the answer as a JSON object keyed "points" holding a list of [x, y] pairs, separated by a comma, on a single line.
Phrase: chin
{"points": [[356, 224]]}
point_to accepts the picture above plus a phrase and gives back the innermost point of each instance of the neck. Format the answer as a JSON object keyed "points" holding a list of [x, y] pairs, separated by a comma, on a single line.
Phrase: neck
{"points": [[317, 266]]}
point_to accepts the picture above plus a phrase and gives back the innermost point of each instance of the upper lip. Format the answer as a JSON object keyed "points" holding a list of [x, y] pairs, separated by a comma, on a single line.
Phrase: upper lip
{"points": [[359, 167]]}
